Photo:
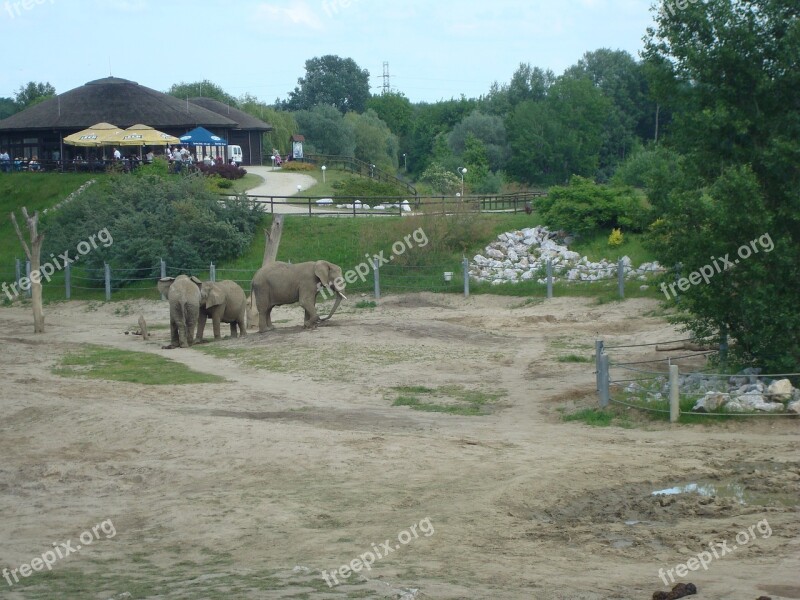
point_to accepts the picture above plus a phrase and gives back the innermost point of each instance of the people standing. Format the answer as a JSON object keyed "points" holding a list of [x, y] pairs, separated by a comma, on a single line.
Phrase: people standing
{"points": [[5, 161], [117, 154]]}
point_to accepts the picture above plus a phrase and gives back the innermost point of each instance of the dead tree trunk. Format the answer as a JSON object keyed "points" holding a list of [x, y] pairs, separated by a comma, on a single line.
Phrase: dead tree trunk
{"points": [[34, 255], [273, 240]]}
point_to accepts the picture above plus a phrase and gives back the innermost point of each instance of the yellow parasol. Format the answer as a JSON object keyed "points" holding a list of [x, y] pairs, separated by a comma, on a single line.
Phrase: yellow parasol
{"points": [[93, 136], [141, 135]]}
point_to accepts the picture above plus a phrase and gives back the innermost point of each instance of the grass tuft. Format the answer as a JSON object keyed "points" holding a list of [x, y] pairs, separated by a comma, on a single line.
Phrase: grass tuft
{"points": [[98, 362]]}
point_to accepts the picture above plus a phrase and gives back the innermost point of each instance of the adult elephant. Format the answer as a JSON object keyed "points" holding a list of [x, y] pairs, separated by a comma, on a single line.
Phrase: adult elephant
{"points": [[281, 283], [183, 293], [225, 302]]}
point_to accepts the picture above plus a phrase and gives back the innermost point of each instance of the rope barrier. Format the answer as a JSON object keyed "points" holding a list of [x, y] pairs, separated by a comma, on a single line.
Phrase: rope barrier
{"points": [[651, 344]]}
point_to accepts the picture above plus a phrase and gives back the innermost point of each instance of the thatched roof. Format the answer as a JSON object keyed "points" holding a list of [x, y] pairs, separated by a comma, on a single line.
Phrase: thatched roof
{"points": [[244, 120], [118, 101]]}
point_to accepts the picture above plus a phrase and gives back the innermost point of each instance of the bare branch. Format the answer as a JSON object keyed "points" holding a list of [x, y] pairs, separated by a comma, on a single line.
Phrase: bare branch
{"points": [[19, 234]]}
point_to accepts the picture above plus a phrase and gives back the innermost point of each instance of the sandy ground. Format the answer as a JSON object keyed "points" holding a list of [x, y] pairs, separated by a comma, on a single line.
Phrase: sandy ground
{"points": [[299, 463]]}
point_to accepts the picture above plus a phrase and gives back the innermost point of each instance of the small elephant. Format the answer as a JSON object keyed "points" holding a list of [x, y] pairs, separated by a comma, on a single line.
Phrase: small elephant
{"points": [[183, 293], [281, 283], [223, 301]]}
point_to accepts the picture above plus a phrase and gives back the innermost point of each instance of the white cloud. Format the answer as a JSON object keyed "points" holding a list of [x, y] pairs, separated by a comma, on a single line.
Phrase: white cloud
{"points": [[296, 12]]}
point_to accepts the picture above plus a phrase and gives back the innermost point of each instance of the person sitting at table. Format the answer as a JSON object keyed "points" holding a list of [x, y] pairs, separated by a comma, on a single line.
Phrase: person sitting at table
{"points": [[150, 156], [34, 164]]}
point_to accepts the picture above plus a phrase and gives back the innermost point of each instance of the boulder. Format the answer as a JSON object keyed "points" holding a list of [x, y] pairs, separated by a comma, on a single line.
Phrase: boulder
{"points": [[793, 407], [780, 391], [711, 402]]}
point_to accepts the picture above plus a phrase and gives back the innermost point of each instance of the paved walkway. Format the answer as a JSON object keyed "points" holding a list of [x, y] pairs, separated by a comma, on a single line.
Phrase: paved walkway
{"points": [[278, 183]]}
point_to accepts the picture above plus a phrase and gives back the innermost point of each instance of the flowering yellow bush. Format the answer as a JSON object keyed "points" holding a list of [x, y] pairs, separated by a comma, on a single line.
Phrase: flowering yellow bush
{"points": [[616, 238]]}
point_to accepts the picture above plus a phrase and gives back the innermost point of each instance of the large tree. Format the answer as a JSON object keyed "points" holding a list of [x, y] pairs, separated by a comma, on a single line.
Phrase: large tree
{"points": [[332, 80], [326, 131], [33, 93], [201, 89], [732, 69]]}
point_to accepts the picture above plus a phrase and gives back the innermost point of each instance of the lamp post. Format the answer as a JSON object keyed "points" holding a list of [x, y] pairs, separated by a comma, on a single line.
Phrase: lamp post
{"points": [[299, 187], [324, 168], [273, 162], [462, 171], [405, 162]]}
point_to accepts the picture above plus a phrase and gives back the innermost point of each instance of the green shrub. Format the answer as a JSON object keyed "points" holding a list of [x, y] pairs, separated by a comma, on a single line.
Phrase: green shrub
{"points": [[584, 206], [616, 238], [361, 187], [177, 218], [294, 165]]}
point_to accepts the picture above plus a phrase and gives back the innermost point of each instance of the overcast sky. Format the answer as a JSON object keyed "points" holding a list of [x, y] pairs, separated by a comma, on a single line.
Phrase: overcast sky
{"points": [[436, 49]]}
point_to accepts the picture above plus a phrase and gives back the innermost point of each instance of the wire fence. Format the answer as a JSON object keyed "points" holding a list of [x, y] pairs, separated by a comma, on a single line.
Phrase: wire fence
{"points": [[107, 282], [674, 382]]}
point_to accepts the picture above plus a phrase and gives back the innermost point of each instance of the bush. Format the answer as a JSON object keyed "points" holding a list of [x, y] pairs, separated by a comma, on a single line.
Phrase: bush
{"points": [[295, 165], [616, 238], [584, 206], [224, 170], [361, 186], [178, 219]]}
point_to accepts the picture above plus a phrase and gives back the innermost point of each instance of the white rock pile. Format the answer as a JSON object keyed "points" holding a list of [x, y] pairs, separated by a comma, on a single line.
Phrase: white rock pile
{"points": [[405, 206], [522, 255], [745, 392]]}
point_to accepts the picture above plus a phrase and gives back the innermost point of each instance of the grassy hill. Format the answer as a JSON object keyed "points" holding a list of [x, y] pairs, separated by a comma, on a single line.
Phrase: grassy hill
{"points": [[344, 241]]}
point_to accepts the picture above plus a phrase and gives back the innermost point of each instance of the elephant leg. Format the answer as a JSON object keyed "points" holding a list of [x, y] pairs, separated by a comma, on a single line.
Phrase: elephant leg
{"points": [[192, 316], [242, 322], [215, 320], [173, 329], [180, 324], [265, 320], [234, 333], [201, 326], [311, 318]]}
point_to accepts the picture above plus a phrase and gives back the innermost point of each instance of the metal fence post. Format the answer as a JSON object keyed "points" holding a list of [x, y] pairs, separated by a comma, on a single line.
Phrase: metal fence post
{"points": [[599, 346], [29, 293], [212, 272], [377, 277], [18, 269], [604, 393], [163, 274], [465, 267], [674, 395], [549, 278], [108, 282], [68, 280], [621, 277]]}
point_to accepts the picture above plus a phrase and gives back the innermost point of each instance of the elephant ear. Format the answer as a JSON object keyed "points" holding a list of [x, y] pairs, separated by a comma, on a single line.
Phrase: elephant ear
{"points": [[164, 284], [215, 296], [322, 271], [196, 280]]}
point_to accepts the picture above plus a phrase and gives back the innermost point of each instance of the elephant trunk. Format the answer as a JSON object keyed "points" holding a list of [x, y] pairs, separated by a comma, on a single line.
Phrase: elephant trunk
{"points": [[339, 296]]}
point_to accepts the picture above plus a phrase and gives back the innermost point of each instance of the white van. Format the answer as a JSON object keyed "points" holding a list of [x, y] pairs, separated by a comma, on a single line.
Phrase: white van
{"points": [[235, 155]]}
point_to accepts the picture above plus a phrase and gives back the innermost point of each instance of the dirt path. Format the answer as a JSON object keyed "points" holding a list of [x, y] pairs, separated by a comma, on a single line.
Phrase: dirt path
{"points": [[280, 183], [300, 463]]}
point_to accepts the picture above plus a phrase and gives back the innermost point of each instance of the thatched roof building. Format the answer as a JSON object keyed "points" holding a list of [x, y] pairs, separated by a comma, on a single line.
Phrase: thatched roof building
{"points": [[40, 129]]}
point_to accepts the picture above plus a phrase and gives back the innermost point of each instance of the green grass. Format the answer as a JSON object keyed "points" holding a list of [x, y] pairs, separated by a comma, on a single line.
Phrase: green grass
{"points": [[366, 304], [452, 399], [595, 248], [98, 362], [248, 182], [574, 358], [35, 191], [591, 416]]}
